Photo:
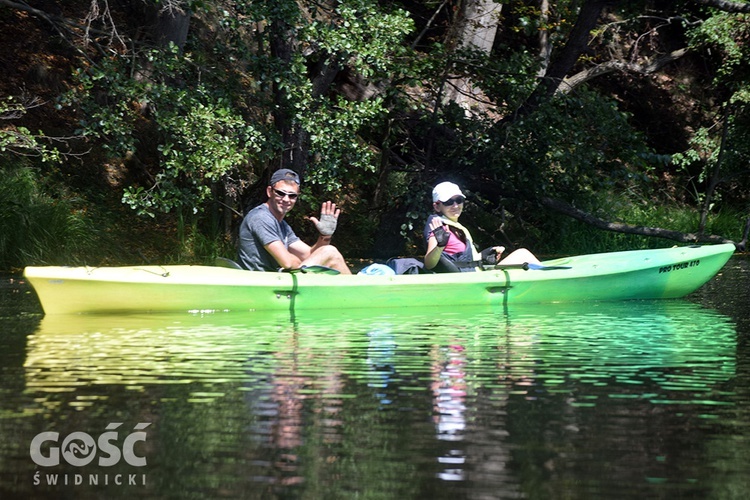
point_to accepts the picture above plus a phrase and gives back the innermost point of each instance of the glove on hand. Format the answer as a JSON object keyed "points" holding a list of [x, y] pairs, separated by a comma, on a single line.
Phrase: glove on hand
{"points": [[441, 235], [327, 224], [489, 256]]}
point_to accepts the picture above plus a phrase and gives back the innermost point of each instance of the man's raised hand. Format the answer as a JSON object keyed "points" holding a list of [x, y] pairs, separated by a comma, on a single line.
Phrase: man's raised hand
{"points": [[329, 216]]}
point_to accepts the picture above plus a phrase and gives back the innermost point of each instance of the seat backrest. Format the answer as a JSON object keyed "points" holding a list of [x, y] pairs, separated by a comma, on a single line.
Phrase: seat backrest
{"points": [[224, 262]]}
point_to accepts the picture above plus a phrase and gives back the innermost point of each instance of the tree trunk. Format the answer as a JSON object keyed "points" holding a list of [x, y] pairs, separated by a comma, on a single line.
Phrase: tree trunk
{"points": [[726, 5], [715, 178], [281, 39], [619, 227], [545, 49], [171, 26], [296, 140], [476, 30]]}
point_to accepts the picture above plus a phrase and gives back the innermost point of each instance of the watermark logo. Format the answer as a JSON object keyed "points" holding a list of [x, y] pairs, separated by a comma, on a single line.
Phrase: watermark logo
{"points": [[79, 449]]}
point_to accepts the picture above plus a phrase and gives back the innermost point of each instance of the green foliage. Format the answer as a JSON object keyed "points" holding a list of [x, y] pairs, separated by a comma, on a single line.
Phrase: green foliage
{"points": [[707, 150], [37, 227], [359, 36], [20, 141], [203, 141], [725, 138], [205, 134], [508, 80], [199, 245], [571, 148], [200, 136], [726, 34]]}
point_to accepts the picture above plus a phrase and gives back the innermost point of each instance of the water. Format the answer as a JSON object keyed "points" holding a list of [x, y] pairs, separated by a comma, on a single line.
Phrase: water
{"points": [[618, 400]]}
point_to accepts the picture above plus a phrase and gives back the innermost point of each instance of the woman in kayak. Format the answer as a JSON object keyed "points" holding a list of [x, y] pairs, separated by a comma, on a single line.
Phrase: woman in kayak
{"points": [[449, 244]]}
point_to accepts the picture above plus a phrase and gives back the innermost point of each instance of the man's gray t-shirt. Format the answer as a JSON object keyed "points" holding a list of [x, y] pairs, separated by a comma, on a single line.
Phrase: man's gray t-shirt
{"points": [[258, 229]]}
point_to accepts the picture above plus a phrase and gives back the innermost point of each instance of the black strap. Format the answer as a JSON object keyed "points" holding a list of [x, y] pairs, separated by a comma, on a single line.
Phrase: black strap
{"points": [[464, 265], [454, 266]]}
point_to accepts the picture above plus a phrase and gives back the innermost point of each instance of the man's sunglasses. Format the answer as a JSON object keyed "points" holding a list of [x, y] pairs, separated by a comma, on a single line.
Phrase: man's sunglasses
{"points": [[458, 199], [281, 194]]}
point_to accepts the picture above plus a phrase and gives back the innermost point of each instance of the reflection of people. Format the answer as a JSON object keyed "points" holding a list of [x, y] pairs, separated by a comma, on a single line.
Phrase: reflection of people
{"points": [[268, 243], [449, 389], [449, 244]]}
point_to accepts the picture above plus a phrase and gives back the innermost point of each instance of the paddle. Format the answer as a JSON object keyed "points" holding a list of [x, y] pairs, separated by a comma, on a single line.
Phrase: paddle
{"points": [[526, 266], [224, 262], [312, 269]]}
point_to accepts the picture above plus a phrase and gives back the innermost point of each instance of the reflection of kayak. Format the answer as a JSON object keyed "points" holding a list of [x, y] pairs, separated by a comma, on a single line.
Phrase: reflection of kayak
{"points": [[631, 334], [640, 274], [586, 341], [679, 354]]}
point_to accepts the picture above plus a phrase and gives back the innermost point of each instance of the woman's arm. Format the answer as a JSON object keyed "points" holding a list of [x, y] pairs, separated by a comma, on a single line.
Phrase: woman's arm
{"points": [[435, 247]]}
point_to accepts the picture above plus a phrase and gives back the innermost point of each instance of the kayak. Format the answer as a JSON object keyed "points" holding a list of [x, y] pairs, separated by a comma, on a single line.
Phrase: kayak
{"points": [[638, 274]]}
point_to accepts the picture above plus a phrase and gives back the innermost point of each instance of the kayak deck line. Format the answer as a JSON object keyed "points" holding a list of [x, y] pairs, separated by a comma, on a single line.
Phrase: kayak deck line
{"points": [[637, 274]]}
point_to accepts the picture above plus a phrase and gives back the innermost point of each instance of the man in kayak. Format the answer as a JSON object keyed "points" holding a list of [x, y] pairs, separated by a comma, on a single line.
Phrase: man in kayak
{"points": [[449, 244], [267, 241]]}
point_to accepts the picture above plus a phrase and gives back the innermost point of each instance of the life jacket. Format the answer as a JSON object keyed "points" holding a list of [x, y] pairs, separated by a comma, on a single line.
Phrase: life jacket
{"points": [[469, 258]]}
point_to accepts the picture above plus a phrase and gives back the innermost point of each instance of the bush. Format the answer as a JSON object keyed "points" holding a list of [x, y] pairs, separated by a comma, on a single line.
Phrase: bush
{"points": [[37, 227]]}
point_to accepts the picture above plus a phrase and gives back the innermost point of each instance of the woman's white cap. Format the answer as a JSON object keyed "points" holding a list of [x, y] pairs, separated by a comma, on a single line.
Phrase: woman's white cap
{"points": [[445, 191]]}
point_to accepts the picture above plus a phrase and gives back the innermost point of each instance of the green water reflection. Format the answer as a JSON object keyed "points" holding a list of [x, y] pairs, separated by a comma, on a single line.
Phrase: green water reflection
{"points": [[562, 401]]}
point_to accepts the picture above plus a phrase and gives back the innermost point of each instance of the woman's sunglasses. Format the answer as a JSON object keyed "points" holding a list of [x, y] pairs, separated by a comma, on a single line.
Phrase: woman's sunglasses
{"points": [[458, 199], [281, 194]]}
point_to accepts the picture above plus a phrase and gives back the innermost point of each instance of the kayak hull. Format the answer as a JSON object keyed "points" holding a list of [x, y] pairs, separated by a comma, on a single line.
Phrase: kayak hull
{"points": [[639, 274]]}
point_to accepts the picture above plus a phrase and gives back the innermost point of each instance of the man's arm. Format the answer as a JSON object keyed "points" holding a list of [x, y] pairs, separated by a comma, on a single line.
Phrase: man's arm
{"points": [[300, 251], [288, 259]]}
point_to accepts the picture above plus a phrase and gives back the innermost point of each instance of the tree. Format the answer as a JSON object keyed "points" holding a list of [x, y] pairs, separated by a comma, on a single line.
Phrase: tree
{"points": [[562, 61], [215, 95], [720, 150], [558, 79]]}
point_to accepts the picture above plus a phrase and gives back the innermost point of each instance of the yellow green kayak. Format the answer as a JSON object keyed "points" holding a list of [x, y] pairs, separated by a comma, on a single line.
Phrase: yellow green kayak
{"points": [[638, 274]]}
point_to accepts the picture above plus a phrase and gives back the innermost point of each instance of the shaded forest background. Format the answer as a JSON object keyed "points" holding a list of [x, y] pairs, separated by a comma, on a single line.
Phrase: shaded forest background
{"points": [[139, 131]]}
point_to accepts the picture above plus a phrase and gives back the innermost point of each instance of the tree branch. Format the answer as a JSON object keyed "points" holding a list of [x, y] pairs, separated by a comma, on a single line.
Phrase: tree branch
{"points": [[31, 10], [428, 25], [59, 24], [726, 5], [620, 227], [570, 83]]}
